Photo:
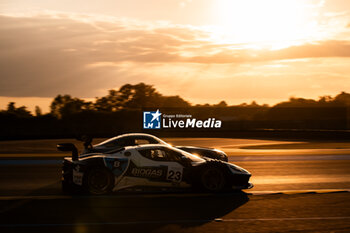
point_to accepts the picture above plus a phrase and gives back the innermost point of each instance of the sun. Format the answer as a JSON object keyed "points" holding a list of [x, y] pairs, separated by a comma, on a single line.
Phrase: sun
{"points": [[278, 22]]}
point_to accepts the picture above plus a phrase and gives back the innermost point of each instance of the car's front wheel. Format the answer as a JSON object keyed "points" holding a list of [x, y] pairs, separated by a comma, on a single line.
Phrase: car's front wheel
{"points": [[99, 181], [213, 180]]}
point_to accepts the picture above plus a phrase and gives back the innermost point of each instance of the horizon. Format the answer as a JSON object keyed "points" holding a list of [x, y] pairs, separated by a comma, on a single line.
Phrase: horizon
{"points": [[32, 104]]}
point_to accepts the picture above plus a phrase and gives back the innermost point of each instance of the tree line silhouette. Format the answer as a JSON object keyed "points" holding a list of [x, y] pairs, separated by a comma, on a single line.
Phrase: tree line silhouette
{"points": [[121, 111]]}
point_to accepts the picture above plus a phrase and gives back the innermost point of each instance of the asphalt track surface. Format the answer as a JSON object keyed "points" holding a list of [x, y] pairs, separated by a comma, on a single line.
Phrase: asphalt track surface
{"points": [[295, 191]]}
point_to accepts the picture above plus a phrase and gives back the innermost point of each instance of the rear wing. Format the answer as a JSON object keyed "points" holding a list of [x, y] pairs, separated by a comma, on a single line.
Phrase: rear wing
{"points": [[69, 147]]}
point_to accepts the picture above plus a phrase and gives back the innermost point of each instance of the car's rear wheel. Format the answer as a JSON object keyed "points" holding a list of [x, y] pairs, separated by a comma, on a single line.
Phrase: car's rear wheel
{"points": [[99, 181], [66, 187], [213, 180]]}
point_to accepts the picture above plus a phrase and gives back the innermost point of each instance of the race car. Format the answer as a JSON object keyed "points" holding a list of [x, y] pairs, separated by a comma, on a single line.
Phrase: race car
{"points": [[133, 139], [151, 165]]}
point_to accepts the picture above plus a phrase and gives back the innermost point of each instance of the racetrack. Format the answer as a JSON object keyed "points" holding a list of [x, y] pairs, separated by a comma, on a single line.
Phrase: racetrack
{"points": [[304, 190]]}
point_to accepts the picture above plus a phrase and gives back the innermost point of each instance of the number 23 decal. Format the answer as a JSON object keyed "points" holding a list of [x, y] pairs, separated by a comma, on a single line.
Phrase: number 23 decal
{"points": [[174, 174]]}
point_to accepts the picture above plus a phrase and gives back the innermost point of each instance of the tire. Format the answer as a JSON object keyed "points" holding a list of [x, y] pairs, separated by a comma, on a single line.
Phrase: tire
{"points": [[66, 187], [99, 181], [213, 180], [72, 189]]}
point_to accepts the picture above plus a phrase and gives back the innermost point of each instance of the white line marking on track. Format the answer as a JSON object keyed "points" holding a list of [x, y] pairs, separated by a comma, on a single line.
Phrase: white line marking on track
{"points": [[170, 222], [286, 219], [298, 191], [152, 195]]}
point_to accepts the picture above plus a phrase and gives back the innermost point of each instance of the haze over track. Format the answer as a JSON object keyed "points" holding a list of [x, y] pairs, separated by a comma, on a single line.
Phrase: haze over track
{"points": [[285, 180]]}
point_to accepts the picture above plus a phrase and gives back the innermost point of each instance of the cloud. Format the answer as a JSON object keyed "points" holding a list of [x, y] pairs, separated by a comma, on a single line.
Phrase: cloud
{"points": [[46, 55], [184, 3], [332, 48]]}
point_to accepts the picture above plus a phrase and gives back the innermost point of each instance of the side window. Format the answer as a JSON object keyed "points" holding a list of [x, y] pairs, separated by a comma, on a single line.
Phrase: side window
{"points": [[141, 141], [154, 154], [161, 155]]}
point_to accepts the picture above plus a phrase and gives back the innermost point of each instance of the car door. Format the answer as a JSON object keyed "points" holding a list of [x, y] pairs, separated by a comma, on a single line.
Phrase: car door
{"points": [[162, 159]]}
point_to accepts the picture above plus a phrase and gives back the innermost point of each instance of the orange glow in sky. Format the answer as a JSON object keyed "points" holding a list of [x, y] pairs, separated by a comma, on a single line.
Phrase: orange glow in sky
{"points": [[202, 50], [274, 22]]}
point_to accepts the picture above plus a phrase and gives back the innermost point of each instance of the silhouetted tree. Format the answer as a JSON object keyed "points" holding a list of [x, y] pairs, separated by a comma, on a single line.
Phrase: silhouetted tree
{"points": [[174, 102], [137, 96], [325, 99], [11, 107], [109, 103], [222, 104], [38, 111], [254, 104], [118, 112], [343, 98], [65, 105], [18, 112]]}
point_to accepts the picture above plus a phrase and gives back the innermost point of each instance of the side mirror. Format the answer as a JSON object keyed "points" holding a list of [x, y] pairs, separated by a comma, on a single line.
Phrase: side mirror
{"points": [[69, 147]]}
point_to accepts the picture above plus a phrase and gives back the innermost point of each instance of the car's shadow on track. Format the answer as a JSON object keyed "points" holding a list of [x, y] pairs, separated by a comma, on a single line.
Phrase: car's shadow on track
{"points": [[126, 212]]}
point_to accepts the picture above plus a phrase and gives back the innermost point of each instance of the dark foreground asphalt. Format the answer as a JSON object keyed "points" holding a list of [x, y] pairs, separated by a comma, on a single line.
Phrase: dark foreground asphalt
{"points": [[303, 192], [31, 201], [229, 212]]}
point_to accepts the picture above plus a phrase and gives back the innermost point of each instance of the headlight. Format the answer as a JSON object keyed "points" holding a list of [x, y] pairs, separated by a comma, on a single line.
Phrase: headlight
{"points": [[223, 155], [220, 153], [237, 169]]}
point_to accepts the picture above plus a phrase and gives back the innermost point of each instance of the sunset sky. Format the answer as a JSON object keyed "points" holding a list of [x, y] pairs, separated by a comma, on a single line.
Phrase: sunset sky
{"points": [[203, 50]]}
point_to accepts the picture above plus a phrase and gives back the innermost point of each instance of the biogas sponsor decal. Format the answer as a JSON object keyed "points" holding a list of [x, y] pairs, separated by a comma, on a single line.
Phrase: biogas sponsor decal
{"points": [[147, 172], [158, 120]]}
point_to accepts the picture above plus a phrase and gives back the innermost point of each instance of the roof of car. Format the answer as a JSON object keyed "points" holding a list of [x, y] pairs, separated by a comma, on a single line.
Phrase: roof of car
{"points": [[132, 135], [136, 134], [148, 146]]}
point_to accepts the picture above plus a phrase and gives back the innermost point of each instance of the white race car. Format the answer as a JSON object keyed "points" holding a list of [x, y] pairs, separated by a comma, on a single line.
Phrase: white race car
{"points": [[135, 139], [154, 165]]}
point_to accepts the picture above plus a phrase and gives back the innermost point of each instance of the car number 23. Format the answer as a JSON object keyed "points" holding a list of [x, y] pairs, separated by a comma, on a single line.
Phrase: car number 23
{"points": [[174, 174]]}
